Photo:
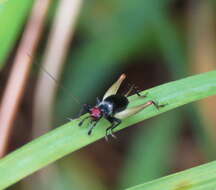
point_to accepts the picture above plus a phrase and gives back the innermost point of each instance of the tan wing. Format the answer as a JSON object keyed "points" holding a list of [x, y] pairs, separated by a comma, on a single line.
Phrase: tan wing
{"points": [[114, 88], [132, 111]]}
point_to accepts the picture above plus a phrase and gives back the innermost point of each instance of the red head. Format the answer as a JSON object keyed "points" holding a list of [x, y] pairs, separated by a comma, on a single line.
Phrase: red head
{"points": [[96, 113]]}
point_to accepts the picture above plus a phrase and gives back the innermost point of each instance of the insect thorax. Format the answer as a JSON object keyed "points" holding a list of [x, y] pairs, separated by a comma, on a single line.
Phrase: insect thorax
{"points": [[106, 107]]}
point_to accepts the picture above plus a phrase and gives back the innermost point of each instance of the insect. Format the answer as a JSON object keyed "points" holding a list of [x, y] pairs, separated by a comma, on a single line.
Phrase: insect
{"points": [[113, 107]]}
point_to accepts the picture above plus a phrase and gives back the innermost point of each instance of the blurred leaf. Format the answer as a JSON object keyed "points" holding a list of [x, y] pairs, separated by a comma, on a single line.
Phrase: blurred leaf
{"points": [[206, 142], [70, 137], [198, 178], [13, 14], [150, 154], [171, 46]]}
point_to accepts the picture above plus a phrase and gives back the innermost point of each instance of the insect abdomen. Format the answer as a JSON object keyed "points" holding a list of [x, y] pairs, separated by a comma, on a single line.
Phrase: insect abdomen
{"points": [[118, 102]]}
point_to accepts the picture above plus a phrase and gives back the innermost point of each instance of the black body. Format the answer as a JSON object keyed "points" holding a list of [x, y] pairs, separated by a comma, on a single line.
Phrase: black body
{"points": [[114, 104], [107, 108]]}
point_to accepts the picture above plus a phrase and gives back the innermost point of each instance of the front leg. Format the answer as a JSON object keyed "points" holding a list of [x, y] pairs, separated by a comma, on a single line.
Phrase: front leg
{"points": [[114, 123], [93, 124], [82, 121], [85, 108]]}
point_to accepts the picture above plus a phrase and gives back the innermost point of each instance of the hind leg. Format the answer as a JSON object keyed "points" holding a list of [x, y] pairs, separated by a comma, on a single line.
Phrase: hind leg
{"points": [[114, 123], [156, 104], [136, 90]]}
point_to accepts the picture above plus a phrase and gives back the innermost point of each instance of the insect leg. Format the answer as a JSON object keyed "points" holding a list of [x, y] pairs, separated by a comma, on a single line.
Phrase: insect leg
{"points": [[98, 101], [115, 122], [135, 89], [137, 92], [130, 90], [156, 104], [82, 121], [133, 110], [92, 127], [85, 108]]}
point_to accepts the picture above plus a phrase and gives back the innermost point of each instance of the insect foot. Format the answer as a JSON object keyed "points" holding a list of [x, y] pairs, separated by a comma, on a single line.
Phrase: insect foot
{"points": [[109, 132], [92, 127], [90, 132], [82, 121], [158, 106]]}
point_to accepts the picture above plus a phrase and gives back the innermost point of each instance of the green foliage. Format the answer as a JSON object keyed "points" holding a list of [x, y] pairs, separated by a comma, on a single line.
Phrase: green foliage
{"points": [[112, 34], [69, 137], [13, 14], [145, 157], [198, 178]]}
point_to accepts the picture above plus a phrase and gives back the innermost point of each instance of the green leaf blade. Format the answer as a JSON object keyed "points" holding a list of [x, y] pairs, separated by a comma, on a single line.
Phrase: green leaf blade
{"points": [[12, 17], [200, 177], [70, 137]]}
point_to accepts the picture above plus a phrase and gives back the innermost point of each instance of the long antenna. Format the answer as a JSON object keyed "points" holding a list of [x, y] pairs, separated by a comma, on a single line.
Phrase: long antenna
{"points": [[52, 77], [57, 83]]}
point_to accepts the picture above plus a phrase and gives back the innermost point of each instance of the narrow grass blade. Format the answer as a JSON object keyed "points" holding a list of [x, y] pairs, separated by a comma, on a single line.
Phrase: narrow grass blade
{"points": [[12, 18], [69, 137], [198, 178]]}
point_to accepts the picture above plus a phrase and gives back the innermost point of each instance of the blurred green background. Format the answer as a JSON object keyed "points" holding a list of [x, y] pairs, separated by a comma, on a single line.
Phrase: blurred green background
{"points": [[153, 42]]}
